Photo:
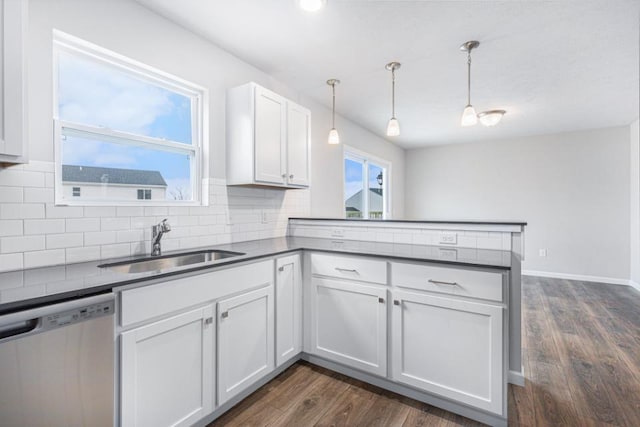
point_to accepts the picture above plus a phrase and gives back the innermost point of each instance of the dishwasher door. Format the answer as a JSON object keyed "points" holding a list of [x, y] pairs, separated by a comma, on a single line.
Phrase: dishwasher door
{"points": [[57, 365]]}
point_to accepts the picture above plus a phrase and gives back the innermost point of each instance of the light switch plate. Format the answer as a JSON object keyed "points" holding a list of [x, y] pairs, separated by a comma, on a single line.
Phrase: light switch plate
{"points": [[448, 238]]}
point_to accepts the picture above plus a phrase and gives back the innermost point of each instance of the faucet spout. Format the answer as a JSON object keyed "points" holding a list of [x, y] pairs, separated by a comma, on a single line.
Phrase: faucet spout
{"points": [[158, 231]]}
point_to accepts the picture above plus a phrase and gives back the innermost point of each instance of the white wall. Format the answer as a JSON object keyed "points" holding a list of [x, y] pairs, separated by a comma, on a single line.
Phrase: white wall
{"points": [[634, 198], [327, 174], [572, 188]]}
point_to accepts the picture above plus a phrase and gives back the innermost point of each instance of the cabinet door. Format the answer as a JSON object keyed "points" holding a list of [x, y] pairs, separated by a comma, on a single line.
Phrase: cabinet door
{"points": [[449, 347], [13, 24], [167, 375], [349, 324], [299, 128], [245, 341], [270, 136], [288, 308]]}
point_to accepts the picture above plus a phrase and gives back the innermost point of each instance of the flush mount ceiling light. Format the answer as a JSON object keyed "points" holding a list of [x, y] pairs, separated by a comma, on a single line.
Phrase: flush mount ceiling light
{"points": [[491, 117], [469, 117], [393, 128], [334, 138], [311, 5]]}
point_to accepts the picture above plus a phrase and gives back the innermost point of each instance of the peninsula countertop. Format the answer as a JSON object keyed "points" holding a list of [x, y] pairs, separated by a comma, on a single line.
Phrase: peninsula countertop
{"points": [[22, 289]]}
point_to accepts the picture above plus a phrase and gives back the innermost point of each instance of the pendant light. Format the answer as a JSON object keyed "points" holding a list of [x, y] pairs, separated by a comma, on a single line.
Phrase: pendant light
{"points": [[393, 128], [469, 117], [334, 138]]}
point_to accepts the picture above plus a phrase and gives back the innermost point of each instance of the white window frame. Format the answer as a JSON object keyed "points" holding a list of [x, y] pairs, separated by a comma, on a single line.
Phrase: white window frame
{"points": [[366, 158], [198, 149]]}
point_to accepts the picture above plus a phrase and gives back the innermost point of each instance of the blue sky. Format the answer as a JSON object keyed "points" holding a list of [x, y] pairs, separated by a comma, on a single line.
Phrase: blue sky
{"points": [[99, 95], [353, 173]]}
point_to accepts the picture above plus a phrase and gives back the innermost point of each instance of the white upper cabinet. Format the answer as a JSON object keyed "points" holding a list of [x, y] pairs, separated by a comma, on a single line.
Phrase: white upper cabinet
{"points": [[13, 105], [267, 139]]}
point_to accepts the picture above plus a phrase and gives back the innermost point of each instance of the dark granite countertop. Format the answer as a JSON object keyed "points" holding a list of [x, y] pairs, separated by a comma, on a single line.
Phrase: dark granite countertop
{"points": [[22, 289], [415, 221]]}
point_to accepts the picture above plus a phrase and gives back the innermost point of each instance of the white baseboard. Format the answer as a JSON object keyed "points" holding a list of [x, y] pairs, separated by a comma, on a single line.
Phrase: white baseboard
{"points": [[517, 378], [634, 285], [610, 280]]}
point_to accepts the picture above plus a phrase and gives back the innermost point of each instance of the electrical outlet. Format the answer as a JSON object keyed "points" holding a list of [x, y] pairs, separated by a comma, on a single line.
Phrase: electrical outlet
{"points": [[337, 232], [265, 218], [448, 239], [542, 252], [450, 254]]}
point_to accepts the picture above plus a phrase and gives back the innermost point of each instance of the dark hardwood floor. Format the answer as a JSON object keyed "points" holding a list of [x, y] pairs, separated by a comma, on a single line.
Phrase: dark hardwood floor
{"points": [[582, 360]]}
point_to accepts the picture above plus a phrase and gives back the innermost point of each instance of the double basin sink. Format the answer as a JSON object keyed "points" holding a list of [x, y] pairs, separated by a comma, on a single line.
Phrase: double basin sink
{"points": [[167, 262]]}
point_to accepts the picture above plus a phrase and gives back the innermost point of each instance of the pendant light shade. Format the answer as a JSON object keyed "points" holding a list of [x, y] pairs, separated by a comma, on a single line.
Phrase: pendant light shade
{"points": [[334, 138], [469, 117], [491, 117], [393, 127]]}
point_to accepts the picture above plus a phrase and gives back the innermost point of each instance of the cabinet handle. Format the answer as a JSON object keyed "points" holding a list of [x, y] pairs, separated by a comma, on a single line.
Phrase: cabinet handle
{"points": [[208, 320], [291, 176], [381, 300], [281, 268], [225, 314], [396, 302], [347, 270], [284, 175], [438, 282]]}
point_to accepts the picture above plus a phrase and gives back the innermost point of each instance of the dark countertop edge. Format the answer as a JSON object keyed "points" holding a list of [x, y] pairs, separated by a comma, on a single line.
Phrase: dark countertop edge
{"points": [[414, 221], [12, 307]]}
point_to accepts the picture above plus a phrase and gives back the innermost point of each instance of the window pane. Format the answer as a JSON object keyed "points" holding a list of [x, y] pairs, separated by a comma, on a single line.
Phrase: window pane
{"points": [[376, 191], [111, 171], [353, 180], [93, 93]]}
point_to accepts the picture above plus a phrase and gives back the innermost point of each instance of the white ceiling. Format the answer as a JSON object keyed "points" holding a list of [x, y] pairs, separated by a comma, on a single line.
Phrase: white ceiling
{"points": [[555, 66]]}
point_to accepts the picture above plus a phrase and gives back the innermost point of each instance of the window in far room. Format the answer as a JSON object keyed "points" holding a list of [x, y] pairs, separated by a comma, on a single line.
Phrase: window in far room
{"points": [[366, 185], [123, 128]]}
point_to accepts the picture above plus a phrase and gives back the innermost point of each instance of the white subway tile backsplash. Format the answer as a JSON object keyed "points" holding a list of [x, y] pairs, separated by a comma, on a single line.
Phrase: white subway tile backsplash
{"points": [[11, 195], [10, 262], [10, 227], [44, 226], [44, 258], [52, 234], [82, 224], [21, 210], [64, 240], [21, 244]]}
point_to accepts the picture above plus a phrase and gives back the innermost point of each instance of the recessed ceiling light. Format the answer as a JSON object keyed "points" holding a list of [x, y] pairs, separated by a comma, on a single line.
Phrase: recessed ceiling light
{"points": [[311, 5]]}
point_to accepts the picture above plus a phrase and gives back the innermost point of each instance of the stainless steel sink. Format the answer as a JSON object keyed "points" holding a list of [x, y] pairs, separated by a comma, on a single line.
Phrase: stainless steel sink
{"points": [[168, 261]]}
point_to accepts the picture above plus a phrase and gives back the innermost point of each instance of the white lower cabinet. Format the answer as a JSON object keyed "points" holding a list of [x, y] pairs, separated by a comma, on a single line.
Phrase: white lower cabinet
{"points": [[288, 308], [349, 324], [245, 341], [167, 370], [449, 347]]}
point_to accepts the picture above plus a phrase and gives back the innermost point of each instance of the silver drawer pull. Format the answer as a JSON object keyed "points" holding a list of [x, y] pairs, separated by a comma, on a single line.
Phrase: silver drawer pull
{"points": [[208, 320], [396, 302], [225, 314], [381, 300], [280, 268], [347, 270], [438, 282]]}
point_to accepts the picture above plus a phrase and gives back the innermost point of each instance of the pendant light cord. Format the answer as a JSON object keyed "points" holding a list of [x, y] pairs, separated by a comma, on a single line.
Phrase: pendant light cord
{"points": [[393, 92], [469, 77], [333, 108]]}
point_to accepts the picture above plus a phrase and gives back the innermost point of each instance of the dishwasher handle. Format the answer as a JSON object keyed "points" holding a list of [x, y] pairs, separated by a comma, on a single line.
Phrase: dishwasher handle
{"points": [[19, 328]]}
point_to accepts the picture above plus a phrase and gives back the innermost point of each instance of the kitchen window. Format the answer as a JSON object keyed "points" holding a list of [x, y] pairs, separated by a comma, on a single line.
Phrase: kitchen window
{"points": [[366, 185], [121, 126]]}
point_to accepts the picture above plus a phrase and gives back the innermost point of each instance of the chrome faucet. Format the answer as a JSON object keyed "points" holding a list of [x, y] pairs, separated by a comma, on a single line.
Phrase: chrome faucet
{"points": [[158, 232]]}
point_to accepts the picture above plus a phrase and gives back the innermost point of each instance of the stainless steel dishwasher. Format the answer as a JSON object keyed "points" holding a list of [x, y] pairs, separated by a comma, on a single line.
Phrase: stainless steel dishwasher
{"points": [[57, 365]]}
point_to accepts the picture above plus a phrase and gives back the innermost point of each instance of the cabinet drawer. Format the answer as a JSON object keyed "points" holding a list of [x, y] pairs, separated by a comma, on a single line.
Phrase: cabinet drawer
{"points": [[457, 281], [353, 268]]}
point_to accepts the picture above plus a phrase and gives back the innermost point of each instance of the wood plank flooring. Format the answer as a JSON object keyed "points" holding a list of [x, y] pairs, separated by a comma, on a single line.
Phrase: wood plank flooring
{"points": [[582, 360]]}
